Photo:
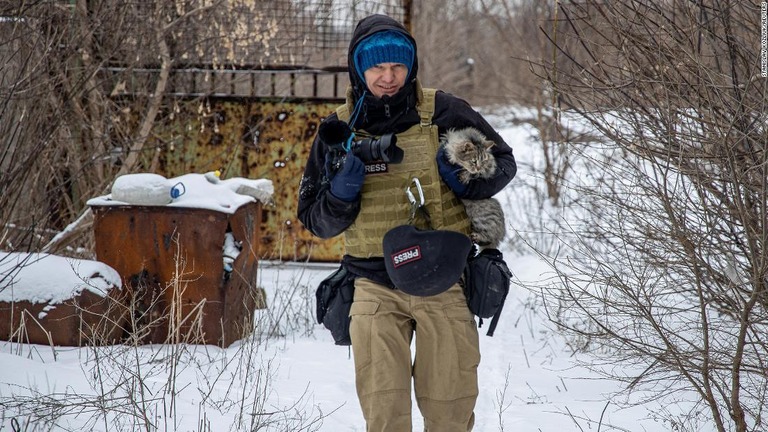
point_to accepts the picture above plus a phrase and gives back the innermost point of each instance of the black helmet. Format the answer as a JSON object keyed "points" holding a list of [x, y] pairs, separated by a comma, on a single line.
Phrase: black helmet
{"points": [[425, 262]]}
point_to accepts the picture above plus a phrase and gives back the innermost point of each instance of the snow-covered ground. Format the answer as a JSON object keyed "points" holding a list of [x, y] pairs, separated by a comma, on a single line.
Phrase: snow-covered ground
{"points": [[529, 378]]}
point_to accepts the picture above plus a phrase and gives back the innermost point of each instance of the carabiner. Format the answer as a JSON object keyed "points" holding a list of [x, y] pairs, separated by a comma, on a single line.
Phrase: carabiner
{"points": [[411, 198]]}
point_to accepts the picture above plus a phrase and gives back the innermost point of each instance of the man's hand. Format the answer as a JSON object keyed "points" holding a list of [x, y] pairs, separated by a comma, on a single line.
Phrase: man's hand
{"points": [[450, 174], [346, 184]]}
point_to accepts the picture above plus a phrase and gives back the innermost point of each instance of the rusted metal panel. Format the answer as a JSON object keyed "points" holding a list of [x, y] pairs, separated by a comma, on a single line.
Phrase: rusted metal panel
{"points": [[85, 319], [252, 138], [172, 266]]}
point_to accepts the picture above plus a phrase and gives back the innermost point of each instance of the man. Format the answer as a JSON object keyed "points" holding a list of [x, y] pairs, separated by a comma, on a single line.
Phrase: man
{"points": [[365, 199]]}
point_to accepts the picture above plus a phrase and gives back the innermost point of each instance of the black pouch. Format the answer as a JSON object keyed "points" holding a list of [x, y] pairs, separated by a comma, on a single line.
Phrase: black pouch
{"points": [[334, 298], [486, 285]]}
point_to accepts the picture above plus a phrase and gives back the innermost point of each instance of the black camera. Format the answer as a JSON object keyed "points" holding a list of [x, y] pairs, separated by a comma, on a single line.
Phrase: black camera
{"points": [[381, 149], [336, 133]]}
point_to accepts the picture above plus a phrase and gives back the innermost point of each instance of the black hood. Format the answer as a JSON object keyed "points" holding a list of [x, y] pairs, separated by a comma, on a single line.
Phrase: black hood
{"points": [[366, 27], [405, 98]]}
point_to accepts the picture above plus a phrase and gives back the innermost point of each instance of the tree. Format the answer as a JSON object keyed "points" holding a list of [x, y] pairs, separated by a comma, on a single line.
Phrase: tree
{"points": [[667, 269], [517, 27]]}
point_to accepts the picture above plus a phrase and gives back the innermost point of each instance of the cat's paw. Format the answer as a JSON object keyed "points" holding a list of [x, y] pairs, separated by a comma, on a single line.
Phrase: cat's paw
{"points": [[464, 177]]}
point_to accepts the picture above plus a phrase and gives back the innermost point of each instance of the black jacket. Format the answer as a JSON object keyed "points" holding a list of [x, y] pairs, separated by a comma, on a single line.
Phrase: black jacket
{"points": [[325, 215]]}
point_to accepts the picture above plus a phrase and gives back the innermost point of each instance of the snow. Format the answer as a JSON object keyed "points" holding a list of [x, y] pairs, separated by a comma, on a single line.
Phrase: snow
{"points": [[204, 191], [529, 378], [44, 278], [231, 250]]}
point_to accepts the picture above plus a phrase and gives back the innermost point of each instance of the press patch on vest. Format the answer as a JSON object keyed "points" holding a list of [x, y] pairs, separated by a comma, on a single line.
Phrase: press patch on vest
{"points": [[376, 168], [405, 256]]}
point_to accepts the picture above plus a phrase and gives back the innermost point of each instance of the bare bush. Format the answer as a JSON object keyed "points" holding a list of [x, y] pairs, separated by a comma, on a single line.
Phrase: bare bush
{"points": [[666, 270], [133, 386]]}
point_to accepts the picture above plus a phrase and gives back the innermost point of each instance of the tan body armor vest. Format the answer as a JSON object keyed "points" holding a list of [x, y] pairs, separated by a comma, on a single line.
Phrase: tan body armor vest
{"points": [[385, 204]]}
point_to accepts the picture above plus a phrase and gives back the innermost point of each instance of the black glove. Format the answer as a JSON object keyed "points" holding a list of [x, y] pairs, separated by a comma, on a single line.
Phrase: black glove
{"points": [[450, 173], [346, 184]]}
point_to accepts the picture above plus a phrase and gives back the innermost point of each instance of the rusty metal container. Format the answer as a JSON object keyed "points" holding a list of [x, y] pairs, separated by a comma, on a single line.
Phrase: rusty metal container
{"points": [[170, 259], [86, 319]]}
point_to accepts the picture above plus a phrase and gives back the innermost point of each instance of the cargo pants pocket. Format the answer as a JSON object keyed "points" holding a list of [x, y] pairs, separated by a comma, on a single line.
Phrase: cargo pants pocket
{"points": [[465, 334], [360, 330]]}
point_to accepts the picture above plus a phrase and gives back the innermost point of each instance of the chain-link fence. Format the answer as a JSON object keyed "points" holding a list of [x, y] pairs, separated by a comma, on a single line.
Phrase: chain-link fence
{"points": [[325, 26], [263, 48]]}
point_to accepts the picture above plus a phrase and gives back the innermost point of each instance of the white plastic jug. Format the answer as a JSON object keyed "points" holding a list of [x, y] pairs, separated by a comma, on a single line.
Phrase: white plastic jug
{"points": [[142, 189]]}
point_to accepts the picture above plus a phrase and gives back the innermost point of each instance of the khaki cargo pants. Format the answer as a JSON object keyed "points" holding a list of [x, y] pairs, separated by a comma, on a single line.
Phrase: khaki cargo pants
{"points": [[444, 370]]}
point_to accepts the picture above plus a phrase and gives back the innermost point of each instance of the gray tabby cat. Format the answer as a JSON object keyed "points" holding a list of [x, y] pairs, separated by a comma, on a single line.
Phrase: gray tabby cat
{"points": [[471, 150]]}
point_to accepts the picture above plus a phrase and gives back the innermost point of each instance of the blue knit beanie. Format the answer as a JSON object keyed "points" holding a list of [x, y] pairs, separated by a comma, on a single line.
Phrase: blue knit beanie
{"points": [[383, 47]]}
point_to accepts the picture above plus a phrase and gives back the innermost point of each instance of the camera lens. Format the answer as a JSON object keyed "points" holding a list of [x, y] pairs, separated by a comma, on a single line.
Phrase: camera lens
{"points": [[365, 149], [383, 149]]}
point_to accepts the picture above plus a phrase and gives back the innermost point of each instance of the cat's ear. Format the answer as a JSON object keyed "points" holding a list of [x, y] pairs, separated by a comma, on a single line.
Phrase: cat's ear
{"points": [[467, 147], [488, 144]]}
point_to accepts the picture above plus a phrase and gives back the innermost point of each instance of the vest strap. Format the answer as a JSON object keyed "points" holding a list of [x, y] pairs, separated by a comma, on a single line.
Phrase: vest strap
{"points": [[427, 106]]}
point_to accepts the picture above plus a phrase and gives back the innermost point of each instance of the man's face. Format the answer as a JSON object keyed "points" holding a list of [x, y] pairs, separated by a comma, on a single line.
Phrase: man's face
{"points": [[386, 78]]}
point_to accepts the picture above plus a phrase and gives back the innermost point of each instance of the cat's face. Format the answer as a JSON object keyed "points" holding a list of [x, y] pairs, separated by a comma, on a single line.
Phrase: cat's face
{"points": [[473, 157], [471, 150]]}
